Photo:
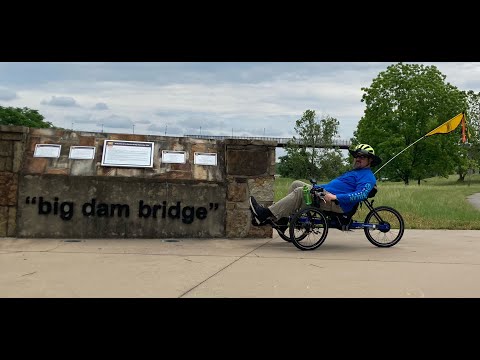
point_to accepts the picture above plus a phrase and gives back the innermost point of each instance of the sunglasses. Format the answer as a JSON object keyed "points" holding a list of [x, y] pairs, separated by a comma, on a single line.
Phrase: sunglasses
{"points": [[361, 156]]}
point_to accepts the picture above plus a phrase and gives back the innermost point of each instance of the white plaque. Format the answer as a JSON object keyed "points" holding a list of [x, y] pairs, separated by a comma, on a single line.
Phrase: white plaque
{"points": [[47, 150], [205, 158], [173, 157], [82, 152], [127, 153]]}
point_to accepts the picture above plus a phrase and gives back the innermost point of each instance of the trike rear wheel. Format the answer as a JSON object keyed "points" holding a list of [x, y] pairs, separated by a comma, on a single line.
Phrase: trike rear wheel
{"points": [[388, 226]]}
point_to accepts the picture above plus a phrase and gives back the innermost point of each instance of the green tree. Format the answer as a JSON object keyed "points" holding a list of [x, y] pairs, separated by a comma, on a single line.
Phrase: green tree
{"points": [[473, 116], [312, 153], [22, 117], [470, 154], [403, 104], [295, 164]]}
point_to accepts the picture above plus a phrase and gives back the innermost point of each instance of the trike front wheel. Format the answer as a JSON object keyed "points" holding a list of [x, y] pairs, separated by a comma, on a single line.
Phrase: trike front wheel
{"points": [[308, 228]]}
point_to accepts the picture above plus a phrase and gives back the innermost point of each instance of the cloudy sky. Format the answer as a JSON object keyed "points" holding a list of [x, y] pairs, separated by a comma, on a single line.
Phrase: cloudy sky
{"points": [[214, 98]]}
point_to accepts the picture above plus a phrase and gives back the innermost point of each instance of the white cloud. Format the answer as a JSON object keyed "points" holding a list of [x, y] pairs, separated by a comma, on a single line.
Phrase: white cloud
{"points": [[116, 121], [7, 95], [65, 101], [100, 106], [252, 99]]}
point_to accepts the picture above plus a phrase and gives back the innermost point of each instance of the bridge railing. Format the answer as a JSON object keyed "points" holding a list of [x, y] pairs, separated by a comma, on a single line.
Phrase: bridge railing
{"points": [[343, 144]]}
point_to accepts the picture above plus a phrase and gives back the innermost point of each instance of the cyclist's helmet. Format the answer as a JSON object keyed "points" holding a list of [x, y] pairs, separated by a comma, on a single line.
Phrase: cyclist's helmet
{"points": [[367, 150]]}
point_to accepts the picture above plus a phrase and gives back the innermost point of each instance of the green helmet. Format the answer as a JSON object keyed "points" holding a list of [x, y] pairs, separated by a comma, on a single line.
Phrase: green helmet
{"points": [[367, 150]]}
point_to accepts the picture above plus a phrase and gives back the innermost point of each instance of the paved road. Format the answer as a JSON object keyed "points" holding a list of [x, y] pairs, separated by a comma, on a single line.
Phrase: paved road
{"points": [[425, 263], [474, 200]]}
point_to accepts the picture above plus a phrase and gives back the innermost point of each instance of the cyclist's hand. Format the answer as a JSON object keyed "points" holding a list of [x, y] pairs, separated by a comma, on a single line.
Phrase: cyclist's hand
{"points": [[330, 197]]}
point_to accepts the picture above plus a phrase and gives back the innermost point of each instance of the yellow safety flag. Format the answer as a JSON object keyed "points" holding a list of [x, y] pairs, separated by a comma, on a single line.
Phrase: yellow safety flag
{"points": [[449, 126]]}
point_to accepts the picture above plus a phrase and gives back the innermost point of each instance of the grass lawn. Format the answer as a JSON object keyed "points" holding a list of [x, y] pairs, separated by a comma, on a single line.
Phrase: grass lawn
{"points": [[437, 203]]}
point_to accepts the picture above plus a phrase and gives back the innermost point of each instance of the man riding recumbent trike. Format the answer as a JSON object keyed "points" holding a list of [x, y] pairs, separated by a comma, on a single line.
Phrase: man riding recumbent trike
{"points": [[308, 211]]}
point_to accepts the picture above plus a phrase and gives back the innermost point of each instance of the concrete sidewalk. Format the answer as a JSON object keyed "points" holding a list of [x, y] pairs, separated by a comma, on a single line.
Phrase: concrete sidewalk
{"points": [[425, 263]]}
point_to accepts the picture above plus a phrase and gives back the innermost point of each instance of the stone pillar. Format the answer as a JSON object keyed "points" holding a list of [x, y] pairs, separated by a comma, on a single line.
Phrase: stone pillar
{"points": [[250, 170], [12, 146]]}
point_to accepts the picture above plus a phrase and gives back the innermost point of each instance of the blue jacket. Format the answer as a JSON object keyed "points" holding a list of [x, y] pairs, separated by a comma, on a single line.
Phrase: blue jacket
{"points": [[351, 187]]}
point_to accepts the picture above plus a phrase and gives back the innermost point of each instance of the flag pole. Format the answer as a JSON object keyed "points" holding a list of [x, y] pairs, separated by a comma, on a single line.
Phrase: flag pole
{"points": [[423, 137], [445, 128]]}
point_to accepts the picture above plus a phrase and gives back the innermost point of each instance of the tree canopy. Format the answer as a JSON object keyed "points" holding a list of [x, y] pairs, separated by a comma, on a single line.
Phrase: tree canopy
{"points": [[22, 117], [403, 103], [312, 153], [469, 156]]}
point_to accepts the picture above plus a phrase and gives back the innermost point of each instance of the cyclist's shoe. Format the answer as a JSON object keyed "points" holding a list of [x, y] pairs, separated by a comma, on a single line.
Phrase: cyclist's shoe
{"points": [[260, 214], [255, 221]]}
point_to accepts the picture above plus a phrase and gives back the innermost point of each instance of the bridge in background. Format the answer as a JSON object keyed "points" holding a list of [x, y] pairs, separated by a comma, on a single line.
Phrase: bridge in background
{"points": [[281, 142]]}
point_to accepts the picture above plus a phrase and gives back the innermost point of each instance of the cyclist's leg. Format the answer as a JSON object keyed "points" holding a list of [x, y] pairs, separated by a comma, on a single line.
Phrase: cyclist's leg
{"points": [[330, 206], [289, 204], [286, 206], [297, 183]]}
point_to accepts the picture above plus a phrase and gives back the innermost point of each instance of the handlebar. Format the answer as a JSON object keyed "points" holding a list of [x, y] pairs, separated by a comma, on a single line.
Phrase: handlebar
{"points": [[319, 192]]}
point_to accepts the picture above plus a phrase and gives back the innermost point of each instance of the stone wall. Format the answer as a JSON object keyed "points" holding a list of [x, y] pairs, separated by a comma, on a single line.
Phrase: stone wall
{"points": [[63, 197], [12, 144]]}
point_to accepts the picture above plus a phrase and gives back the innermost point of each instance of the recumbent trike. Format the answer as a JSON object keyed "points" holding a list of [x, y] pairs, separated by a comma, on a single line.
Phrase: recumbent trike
{"points": [[308, 227]]}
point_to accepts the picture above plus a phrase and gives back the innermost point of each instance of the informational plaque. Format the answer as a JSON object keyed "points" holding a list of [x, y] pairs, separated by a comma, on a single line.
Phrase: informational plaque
{"points": [[47, 150], [82, 152], [173, 157], [127, 153], [205, 158]]}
